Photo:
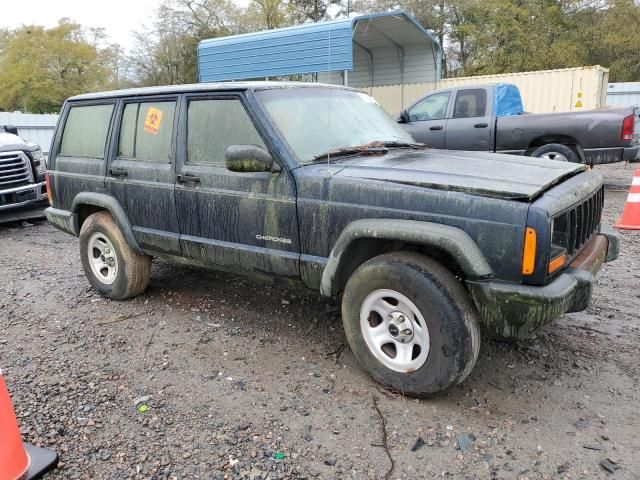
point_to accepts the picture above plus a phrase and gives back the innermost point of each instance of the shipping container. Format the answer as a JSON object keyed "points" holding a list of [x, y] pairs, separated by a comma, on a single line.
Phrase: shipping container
{"points": [[544, 91], [624, 94]]}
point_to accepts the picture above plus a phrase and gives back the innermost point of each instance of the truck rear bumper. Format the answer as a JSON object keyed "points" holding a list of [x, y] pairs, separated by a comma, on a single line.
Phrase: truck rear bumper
{"points": [[518, 311], [597, 156], [631, 154]]}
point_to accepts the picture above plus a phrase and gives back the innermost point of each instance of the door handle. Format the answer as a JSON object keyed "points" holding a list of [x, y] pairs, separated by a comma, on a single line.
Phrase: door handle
{"points": [[185, 178], [118, 172], [437, 127], [481, 125]]}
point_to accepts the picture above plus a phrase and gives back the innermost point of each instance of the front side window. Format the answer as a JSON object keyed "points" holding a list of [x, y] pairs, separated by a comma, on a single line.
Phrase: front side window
{"points": [[146, 130], [85, 131], [215, 124], [316, 120], [434, 107], [470, 103]]}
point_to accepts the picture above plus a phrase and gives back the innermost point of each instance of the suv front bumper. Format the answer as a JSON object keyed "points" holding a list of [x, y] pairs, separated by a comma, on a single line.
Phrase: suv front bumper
{"points": [[517, 311], [23, 202]]}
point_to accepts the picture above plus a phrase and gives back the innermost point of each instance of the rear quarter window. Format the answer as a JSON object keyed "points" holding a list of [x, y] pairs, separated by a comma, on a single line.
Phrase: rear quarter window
{"points": [[85, 131]]}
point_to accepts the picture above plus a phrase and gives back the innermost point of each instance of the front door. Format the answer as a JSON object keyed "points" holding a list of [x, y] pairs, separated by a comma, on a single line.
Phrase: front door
{"points": [[469, 127], [245, 221], [427, 119], [141, 172]]}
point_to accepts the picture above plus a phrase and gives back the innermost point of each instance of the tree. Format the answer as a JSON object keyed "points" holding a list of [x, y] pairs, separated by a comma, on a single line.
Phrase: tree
{"points": [[166, 53], [610, 35], [500, 36], [40, 68], [478, 36]]}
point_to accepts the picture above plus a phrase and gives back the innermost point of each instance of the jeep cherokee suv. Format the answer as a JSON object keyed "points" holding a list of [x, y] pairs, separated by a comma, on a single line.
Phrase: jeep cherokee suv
{"points": [[316, 183]]}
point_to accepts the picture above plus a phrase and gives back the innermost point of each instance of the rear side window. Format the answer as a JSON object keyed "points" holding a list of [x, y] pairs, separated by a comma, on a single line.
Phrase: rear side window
{"points": [[146, 130], [470, 103], [85, 131], [214, 125]]}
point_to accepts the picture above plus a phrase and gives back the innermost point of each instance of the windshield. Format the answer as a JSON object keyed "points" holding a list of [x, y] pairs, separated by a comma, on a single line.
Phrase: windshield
{"points": [[315, 121]]}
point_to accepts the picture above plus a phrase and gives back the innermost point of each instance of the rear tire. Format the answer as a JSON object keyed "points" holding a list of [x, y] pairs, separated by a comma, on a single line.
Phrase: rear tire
{"points": [[557, 152], [112, 267], [410, 323]]}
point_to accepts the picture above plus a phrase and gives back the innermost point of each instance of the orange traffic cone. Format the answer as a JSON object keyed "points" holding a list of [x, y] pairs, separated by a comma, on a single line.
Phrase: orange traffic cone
{"points": [[19, 461], [631, 214]]}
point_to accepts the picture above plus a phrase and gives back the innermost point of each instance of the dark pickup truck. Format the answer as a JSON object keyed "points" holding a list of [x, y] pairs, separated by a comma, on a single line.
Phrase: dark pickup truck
{"points": [[23, 193], [492, 118], [316, 184]]}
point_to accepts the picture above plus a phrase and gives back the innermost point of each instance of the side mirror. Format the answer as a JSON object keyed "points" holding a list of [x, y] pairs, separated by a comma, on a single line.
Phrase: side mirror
{"points": [[249, 158], [404, 116], [11, 129]]}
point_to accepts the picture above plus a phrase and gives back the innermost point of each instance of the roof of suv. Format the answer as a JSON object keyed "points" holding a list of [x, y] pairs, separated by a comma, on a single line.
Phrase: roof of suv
{"points": [[201, 87]]}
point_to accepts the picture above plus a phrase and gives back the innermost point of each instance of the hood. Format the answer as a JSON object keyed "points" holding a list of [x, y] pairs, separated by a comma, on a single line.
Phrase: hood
{"points": [[478, 173], [8, 142]]}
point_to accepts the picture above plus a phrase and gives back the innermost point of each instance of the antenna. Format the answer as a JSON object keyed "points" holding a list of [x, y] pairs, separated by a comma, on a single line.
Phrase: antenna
{"points": [[329, 110]]}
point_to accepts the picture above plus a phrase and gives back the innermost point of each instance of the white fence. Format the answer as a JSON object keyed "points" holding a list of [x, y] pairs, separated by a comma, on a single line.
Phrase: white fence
{"points": [[625, 94], [36, 128]]}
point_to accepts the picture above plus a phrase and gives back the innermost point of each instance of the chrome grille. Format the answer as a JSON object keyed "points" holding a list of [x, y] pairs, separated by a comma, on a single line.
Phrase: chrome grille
{"points": [[15, 170]]}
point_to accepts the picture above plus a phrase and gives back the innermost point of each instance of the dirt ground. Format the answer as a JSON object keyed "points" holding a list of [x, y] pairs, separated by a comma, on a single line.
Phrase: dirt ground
{"points": [[253, 380]]}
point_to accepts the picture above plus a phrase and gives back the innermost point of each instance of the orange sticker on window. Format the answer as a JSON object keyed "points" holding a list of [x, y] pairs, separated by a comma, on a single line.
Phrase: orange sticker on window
{"points": [[152, 120]]}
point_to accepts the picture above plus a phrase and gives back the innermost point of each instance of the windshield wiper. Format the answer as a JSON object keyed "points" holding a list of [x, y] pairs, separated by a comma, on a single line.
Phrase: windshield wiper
{"points": [[373, 148], [396, 144], [346, 151]]}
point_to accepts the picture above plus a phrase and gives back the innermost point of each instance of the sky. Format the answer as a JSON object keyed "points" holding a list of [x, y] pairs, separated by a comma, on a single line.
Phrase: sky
{"points": [[118, 17]]}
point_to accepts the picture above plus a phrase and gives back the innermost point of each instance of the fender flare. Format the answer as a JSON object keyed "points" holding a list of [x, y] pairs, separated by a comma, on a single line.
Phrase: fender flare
{"points": [[452, 240], [110, 204]]}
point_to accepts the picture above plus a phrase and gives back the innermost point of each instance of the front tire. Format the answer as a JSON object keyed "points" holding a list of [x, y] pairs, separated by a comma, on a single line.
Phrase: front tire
{"points": [[410, 323], [112, 267]]}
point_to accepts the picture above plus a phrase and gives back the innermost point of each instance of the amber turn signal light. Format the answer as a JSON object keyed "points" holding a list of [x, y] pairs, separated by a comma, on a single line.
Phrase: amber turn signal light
{"points": [[529, 251], [47, 183], [557, 262]]}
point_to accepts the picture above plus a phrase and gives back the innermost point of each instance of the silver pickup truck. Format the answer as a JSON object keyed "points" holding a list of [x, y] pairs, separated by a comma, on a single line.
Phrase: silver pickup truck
{"points": [[492, 118], [23, 192]]}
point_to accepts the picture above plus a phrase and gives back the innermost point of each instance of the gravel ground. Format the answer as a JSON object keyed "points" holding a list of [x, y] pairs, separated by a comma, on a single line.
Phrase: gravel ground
{"points": [[241, 378]]}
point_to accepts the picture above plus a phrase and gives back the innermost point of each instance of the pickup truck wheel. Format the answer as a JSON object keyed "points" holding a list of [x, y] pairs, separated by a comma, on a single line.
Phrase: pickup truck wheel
{"points": [[558, 152], [410, 323], [112, 267]]}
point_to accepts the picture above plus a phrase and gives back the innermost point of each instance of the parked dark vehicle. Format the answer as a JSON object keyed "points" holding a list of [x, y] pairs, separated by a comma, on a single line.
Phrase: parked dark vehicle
{"points": [[23, 193], [317, 184], [491, 118]]}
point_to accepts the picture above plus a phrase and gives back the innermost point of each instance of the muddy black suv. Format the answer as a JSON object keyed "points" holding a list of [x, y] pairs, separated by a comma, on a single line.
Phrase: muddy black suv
{"points": [[316, 183]]}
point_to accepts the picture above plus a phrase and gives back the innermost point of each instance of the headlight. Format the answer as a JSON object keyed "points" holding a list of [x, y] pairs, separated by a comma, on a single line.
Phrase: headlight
{"points": [[39, 161], [560, 239], [560, 231]]}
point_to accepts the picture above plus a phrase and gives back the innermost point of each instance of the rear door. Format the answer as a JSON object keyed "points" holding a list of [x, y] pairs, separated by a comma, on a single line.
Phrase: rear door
{"points": [[141, 171], [427, 119], [469, 126], [240, 220]]}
